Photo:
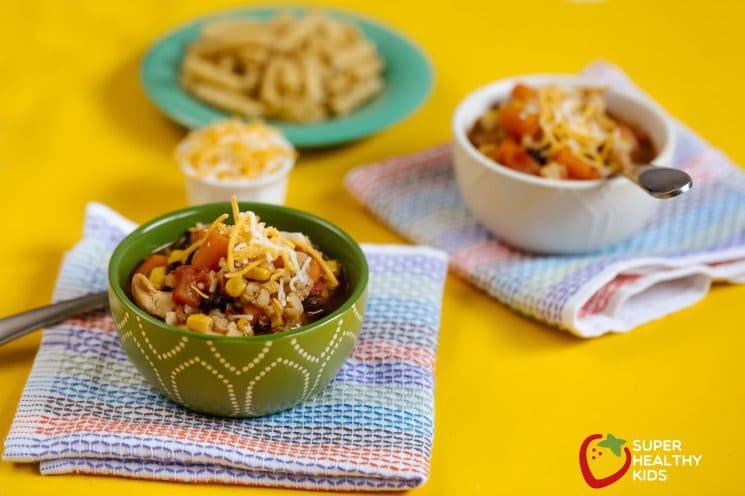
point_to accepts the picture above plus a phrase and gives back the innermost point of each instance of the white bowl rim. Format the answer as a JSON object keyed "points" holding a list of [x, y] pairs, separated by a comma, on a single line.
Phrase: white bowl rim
{"points": [[545, 78], [283, 171]]}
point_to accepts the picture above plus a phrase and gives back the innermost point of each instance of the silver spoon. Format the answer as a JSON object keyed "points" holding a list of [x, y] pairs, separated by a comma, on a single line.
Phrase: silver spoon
{"points": [[660, 182], [20, 324]]}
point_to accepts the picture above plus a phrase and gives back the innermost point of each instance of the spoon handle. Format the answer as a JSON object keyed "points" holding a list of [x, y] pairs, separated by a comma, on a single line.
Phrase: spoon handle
{"points": [[23, 323], [660, 182]]}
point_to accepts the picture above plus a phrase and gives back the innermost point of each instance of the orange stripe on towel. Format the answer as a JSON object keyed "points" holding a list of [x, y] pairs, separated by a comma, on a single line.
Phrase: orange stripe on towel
{"points": [[388, 459], [376, 350]]}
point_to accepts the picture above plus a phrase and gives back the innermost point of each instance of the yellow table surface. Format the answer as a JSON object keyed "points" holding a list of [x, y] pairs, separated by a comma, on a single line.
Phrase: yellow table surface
{"points": [[514, 398]]}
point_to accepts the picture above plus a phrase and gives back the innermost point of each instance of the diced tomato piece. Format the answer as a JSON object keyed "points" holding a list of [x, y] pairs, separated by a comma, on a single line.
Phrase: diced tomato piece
{"points": [[197, 235], [314, 270], [517, 125], [577, 168], [530, 125], [523, 92], [186, 277], [510, 120], [514, 156], [318, 288], [150, 263], [212, 250]]}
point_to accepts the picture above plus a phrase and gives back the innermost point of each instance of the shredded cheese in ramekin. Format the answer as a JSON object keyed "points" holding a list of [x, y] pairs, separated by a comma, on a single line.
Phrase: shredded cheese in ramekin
{"points": [[232, 150]]}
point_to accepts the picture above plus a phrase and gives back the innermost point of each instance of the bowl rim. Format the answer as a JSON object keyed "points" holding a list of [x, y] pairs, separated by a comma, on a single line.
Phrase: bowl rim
{"points": [[459, 132], [116, 287]]}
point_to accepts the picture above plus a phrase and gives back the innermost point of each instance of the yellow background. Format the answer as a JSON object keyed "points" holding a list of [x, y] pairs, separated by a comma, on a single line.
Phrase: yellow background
{"points": [[514, 397]]}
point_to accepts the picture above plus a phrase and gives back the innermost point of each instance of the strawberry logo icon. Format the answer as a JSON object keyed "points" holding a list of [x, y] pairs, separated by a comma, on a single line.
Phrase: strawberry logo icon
{"points": [[591, 459]]}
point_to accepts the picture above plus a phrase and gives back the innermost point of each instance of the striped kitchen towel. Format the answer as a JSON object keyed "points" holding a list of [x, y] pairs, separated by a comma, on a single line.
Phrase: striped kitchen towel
{"points": [[86, 409], [693, 240]]}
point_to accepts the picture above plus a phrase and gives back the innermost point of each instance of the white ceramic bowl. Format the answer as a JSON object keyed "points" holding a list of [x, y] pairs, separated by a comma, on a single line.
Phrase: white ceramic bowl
{"points": [[265, 189], [556, 216]]}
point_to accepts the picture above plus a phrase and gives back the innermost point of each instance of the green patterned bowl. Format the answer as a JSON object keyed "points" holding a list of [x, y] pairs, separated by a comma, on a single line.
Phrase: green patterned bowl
{"points": [[237, 376]]}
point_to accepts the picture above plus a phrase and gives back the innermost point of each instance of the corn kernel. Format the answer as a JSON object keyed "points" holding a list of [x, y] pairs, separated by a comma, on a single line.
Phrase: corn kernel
{"points": [[245, 327], [334, 266], [235, 286], [175, 256], [199, 322], [157, 276], [259, 274], [277, 319]]}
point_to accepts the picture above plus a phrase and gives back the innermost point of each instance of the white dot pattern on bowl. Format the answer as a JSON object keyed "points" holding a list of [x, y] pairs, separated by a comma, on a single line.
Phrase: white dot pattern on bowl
{"points": [[222, 369]]}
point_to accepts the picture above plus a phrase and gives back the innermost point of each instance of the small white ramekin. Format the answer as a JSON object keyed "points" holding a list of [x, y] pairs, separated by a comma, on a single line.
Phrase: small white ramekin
{"points": [[264, 189], [548, 215]]}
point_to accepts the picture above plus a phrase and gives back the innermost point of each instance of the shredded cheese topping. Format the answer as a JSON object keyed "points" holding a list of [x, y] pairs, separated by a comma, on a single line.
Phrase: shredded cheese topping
{"points": [[330, 277], [245, 277], [232, 150], [577, 118], [254, 245], [199, 292]]}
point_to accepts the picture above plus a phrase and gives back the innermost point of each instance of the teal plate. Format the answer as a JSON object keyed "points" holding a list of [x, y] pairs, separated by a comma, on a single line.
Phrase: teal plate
{"points": [[408, 82]]}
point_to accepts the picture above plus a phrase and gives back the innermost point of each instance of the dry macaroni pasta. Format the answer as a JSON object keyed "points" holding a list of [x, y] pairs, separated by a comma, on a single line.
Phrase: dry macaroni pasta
{"points": [[296, 69]]}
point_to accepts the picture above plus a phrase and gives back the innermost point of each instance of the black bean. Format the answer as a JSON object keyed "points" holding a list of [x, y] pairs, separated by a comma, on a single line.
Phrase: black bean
{"points": [[316, 314], [315, 306], [262, 325], [537, 155], [215, 300], [313, 303], [182, 242]]}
